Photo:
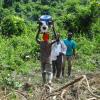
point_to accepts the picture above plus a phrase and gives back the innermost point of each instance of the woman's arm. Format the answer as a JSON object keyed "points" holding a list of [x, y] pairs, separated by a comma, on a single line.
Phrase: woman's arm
{"points": [[37, 36]]}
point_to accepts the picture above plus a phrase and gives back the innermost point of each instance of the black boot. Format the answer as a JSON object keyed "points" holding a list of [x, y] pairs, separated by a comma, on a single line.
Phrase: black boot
{"points": [[44, 77]]}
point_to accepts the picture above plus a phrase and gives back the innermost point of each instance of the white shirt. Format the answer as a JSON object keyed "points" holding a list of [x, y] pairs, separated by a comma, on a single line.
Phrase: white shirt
{"points": [[57, 48]]}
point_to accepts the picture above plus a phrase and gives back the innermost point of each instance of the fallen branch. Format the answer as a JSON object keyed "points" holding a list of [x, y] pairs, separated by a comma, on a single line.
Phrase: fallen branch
{"points": [[52, 95], [63, 93], [62, 89], [92, 98], [3, 98], [89, 89], [2, 92], [23, 94], [45, 91], [16, 91], [68, 84]]}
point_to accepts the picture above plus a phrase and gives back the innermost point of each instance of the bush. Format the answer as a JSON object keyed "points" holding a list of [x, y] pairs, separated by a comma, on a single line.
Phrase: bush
{"points": [[79, 17], [84, 18], [13, 25], [95, 27], [7, 3], [18, 7], [85, 46], [45, 10], [87, 50], [69, 21], [3, 13]]}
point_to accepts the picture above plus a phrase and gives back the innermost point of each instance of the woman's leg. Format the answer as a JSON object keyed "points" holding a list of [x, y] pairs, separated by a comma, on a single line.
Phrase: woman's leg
{"points": [[43, 70], [49, 72]]}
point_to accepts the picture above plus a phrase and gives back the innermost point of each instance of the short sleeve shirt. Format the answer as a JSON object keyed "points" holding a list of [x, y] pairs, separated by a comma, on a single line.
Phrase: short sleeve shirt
{"points": [[71, 44]]}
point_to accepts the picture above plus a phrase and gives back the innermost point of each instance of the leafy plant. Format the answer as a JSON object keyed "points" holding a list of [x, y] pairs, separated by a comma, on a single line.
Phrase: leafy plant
{"points": [[13, 25]]}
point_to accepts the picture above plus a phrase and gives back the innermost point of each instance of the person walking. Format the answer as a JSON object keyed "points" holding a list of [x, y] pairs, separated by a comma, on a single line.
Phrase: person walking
{"points": [[70, 52], [45, 52], [57, 52]]}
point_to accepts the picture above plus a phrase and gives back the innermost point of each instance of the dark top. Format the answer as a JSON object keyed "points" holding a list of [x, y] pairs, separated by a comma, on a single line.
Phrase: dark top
{"points": [[45, 51]]}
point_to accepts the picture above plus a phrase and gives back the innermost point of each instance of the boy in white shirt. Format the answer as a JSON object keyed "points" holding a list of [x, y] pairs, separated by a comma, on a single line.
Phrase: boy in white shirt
{"points": [[57, 52]]}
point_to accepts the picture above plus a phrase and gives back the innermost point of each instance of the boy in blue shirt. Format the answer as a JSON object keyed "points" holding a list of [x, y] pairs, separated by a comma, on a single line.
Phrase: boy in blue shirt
{"points": [[71, 45]]}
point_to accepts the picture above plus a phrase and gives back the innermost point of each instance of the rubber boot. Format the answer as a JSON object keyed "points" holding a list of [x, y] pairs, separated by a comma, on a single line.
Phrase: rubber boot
{"points": [[50, 77], [44, 77]]}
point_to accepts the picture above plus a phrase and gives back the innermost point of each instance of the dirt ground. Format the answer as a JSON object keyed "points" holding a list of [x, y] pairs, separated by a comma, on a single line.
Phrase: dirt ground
{"points": [[33, 89]]}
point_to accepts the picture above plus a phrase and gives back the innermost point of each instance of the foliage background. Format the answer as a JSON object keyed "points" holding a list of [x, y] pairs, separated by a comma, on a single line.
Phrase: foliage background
{"points": [[18, 26]]}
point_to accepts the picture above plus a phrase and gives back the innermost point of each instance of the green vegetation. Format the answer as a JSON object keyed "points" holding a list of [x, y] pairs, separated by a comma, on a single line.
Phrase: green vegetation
{"points": [[18, 25], [13, 25]]}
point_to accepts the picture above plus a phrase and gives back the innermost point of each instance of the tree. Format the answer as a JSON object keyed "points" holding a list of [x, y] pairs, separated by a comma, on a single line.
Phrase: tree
{"points": [[45, 2], [13, 25], [3, 13], [25, 1], [1, 3], [7, 3], [34, 0]]}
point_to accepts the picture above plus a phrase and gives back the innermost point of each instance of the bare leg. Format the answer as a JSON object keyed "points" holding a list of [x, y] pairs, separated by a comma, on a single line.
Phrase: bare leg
{"points": [[69, 65]]}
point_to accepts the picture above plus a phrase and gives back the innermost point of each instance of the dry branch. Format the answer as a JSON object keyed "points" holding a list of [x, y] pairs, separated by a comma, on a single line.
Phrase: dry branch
{"points": [[3, 98], [89, 89], [61, 90], [92, 98], [68, 84], [21, 93]]}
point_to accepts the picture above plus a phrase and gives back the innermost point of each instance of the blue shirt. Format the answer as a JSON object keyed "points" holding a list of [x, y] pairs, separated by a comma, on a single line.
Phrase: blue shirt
{"points": [[70, 46]]}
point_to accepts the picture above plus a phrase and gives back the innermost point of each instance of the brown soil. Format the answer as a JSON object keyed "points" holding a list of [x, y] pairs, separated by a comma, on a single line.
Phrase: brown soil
{"points": [[32, 88]]}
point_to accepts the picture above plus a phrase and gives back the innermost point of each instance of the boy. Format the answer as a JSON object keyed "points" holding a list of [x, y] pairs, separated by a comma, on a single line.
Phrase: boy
{"points": [[71, 46]]}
